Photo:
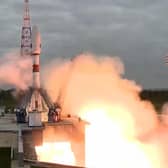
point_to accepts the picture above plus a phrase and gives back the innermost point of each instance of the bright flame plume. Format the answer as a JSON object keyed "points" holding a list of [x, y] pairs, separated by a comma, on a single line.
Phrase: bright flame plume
{"points": [[57, 152]]}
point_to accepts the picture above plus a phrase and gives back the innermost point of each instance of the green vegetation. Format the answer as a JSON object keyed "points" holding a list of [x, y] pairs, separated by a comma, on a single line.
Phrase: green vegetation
{"points": [[157, 97], [7, 99]]}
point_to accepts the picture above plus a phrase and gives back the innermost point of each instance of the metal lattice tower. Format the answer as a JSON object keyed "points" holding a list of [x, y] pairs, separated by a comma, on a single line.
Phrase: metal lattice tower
{"points": [[26, 42]]}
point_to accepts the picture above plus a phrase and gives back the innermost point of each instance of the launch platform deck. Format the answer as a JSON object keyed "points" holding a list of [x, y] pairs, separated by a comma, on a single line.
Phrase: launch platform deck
{"points": [[9, 134], [8, 123]]}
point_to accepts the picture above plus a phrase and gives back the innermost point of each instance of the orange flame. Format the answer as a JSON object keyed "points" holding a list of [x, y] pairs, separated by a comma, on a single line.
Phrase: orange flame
{"points": [[57, 152], [124, 130], [111, 141]]}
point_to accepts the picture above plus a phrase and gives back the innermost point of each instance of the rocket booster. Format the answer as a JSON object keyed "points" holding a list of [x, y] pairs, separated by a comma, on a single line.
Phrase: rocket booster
{"points": [[36, 51]]}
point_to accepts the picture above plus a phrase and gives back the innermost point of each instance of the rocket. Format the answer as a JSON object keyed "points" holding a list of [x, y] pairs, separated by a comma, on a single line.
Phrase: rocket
{"points": [[36, 51]]}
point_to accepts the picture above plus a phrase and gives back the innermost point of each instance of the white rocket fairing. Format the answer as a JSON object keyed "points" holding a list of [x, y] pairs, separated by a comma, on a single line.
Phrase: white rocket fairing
{"points": [[36, 51], [36, 99]]}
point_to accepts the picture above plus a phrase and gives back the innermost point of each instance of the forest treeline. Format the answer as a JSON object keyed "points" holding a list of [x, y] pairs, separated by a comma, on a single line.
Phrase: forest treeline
{"points": [[157, 97], [7, 99]]}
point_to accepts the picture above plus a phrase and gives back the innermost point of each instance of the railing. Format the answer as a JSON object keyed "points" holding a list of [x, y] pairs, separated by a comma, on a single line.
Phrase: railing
{"points": [[35, 163]]}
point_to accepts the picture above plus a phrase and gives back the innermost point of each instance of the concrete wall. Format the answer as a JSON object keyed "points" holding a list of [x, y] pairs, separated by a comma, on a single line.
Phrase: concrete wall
{"points": [[29, 145], [9, 139]]}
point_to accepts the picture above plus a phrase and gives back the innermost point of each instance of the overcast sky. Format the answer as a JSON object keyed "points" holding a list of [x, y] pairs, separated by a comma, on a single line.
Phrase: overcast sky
{"points": [[134, 30]]}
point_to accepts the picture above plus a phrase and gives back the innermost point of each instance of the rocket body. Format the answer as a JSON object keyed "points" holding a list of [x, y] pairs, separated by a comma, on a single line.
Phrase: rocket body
{"points": [[36, 99], [36, 51]]}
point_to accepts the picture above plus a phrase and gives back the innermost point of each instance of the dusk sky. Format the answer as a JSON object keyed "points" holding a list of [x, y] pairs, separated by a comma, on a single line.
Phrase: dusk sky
{"points": [[134, 30]]}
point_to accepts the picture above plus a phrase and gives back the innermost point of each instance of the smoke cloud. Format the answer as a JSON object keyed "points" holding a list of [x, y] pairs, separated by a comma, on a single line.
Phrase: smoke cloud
{"points": [[89, 80], [15, 71], [121, 124], [55, 76]]}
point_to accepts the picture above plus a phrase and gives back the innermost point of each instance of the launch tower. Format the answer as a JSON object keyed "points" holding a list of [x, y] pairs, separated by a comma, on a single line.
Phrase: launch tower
{"points": [[26, 42], [35, 98]]}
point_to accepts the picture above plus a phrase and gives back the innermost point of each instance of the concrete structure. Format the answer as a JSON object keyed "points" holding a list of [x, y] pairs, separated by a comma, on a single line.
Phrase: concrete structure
{"points": [[22, 139], [20, 148]]}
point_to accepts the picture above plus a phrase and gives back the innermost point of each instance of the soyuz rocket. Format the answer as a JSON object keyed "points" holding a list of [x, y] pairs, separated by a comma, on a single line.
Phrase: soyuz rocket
{"points": [[36, 100], [36, 51]]}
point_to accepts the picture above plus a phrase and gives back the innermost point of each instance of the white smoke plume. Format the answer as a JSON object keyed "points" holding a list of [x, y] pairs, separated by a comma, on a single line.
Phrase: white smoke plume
{"points": [[55, 76], [15, 71], [124, 130], [87, 79]]}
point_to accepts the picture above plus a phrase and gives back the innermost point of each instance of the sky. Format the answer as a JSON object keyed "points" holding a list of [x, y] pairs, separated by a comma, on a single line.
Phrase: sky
{"points": [[134, 30]]}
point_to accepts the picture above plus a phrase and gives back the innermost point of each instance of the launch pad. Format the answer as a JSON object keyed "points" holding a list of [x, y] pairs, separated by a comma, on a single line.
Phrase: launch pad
{"points": [[29, 104], [64, 131], [22, 139], [37, 119]]}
